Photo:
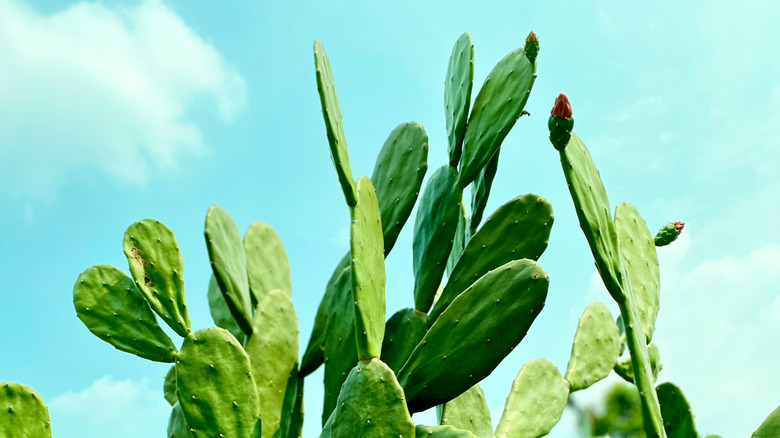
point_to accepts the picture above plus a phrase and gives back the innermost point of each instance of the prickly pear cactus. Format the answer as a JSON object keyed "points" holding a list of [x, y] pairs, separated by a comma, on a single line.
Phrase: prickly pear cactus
{"points": [[23, 414]]}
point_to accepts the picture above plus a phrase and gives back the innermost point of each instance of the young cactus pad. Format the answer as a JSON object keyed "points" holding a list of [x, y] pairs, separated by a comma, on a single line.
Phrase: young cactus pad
{"points": [[474, 334], [371, 404], [112, 308], [331, 112], [215, 387], [457, 94], [497, 107], [518, 229], [595, 349], [398, 175], [23, 413], [434, 231], [678, 418], [273, 351], [535, 403], [640, 263], [368, 271], [469, 412], [156, 266], [228, 262], [266, 261]]}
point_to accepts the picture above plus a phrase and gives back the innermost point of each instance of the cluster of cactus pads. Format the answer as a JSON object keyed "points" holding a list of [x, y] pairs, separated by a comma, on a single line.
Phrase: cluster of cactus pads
{"points": [[477, 291]]}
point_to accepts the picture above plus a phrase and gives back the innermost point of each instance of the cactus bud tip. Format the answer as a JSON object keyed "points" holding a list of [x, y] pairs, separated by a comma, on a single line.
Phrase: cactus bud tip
{"points": [[532, 38], [562, 107]]}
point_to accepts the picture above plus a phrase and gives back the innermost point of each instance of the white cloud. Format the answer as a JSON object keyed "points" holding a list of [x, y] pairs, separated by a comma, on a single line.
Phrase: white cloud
{"points": [[98, 89], [109, 407], [716, 329]]}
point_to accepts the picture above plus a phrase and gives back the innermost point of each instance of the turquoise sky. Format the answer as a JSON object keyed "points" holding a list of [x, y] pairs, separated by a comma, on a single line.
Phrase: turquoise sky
{"points": [[116, 111]]}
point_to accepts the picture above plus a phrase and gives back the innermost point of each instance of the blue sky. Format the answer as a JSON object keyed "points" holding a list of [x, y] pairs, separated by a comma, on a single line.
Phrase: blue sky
{"points": [[116, 111]]}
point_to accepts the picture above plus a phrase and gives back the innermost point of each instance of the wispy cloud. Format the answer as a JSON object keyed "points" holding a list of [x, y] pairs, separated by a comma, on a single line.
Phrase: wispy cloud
{"points": [[110, 407], [106, 90]]}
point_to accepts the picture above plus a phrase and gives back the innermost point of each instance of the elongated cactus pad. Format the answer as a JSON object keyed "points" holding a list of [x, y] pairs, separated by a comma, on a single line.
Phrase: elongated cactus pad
{"points": [[443, 431], [371, 404], [678, 418], [331, 111], [273, 351], [368, 271], [23, 414], [403, 331], [595, 349], [169, 386], [625, 370], [457, 94], [535, 403], [267, 265], [640, 262], [480, 191], [398, 175], [468, 412], [177, 424], [770, 428], [474, 334], [434, 233], [215, 386], [497, 107], [296, 415], [340, 354], [519, 229], [228, 262], [156, 266], [593, 211], [114, 310], [315, 350], [220, 312]]}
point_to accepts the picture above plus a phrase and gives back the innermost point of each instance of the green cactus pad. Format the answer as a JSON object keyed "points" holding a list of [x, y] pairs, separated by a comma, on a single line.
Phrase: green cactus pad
{"points": [[331, 112], [228, 262], [220, 312], [457, 94], [595, 349], [469, 412], [480, 191], [592, 206], [114, 310], [340, 354], [535, 403], [676, 412], [296, 415], [267, 265], [496, 108], [169, 386], [640, 261], [23, 414], [368, 271], [770, 428], [315, 350], [215, 386], [625, 370], [403, 331], [371, 404], [156, 266], [177, 424], [398, 175], [462, 237], [518, 229], [476, 332], [273, 350], [434, 233], [444, 431]]}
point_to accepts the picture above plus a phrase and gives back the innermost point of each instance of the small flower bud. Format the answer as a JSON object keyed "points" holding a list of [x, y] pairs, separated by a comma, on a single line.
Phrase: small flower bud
{"points": [[531, 47], [560, 123], [562, 107], [669, 233]]}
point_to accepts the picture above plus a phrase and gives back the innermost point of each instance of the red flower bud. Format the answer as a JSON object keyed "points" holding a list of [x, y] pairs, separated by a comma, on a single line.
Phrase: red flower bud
{"points": [[678, 226], [562, 108], [532, 38]]}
